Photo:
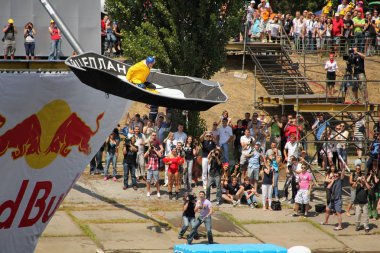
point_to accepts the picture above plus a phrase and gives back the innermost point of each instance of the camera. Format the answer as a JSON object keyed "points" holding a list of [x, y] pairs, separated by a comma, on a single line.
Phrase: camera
{"points": [[127, 142], [349, 58]]}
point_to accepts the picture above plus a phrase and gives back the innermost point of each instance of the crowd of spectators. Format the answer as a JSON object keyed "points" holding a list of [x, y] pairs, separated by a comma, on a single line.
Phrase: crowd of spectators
{"points": [[335, 28], [243, 161]]}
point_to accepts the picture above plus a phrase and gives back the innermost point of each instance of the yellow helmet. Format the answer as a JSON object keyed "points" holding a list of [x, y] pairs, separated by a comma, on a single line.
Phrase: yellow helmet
{"points": [[11, 21]]}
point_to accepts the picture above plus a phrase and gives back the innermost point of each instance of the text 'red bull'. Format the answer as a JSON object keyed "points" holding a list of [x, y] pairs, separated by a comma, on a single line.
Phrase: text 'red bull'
{"points": [[40, 203]]}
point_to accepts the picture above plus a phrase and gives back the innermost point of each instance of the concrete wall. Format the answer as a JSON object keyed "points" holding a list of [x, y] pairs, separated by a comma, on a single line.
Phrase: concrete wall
{"points": [[81, 16]]}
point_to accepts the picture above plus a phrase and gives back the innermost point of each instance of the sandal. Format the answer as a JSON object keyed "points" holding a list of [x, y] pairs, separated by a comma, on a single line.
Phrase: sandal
{"points": [[338, 228], [322, 223]]}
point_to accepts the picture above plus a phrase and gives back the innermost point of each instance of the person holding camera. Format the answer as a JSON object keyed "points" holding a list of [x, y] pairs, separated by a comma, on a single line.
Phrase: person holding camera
{"points": [[361, 202], [29, 34], [214, 176], [152, 155], [188, 215], [208, 144], [373, 193], [354, 182], [129, 162], [9, 39], [55, 44], [204, 207]]}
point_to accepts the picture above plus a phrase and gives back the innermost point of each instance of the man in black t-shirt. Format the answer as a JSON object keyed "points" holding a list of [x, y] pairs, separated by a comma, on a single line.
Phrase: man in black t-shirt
{"points": [[238, 132], [361, 203], [188, 216], [359, 74], [234, 192], [214, 175], [130, 162], [208, 145]]}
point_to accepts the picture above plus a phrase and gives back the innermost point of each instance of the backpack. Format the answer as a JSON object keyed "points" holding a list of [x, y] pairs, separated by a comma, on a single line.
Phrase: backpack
{"points": [[276, 205]]}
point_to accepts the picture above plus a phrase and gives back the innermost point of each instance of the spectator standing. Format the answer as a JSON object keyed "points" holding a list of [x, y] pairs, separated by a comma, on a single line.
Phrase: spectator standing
{"points": [[174, 161], [341, 146], [152, 155], [354, 176], [319, 127], [359, 74], [188, 215], [9, 39], [329, 38], [96, 163], [225, 116], [254, 164], [129, 162], [214, 176], [238, 132], [140, 143], [335, 203], [359, 23], [373, 196], [297, 30], [348, 30], [265, 11], [267, 187], [331, 67], [359, 133], [247, 120], [180, 135], [342, 6], [320, 33], [288, 23], [191, 152], [103, 33], [55, 44], [337, 32], [204, 207], [208, 145], [373, 152], [112, 144], [273, 157], [225, 138], [215, 133], [110, 36], [162, 128], [302, 197], [361, 203], [275, 130], [168, 147], [30, 44], [118, 36]]}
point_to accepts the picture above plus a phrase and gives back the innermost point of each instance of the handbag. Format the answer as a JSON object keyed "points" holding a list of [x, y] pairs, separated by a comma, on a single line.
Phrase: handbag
{"points": [[276, 205]]}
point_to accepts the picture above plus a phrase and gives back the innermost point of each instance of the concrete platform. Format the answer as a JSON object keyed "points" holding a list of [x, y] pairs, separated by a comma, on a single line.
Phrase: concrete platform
{"points": [[362, 243], [295, 234], [134, 236], [108, 215], [62, 225], [65, 245]]}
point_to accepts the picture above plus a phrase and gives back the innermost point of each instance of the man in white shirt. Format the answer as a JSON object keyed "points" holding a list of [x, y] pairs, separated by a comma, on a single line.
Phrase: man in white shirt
{"points": [[225, 137], [297, 29], [180, 135]]}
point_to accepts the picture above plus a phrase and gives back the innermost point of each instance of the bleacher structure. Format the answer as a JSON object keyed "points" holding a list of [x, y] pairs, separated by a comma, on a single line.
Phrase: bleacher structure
{"points": [[278, 70]]}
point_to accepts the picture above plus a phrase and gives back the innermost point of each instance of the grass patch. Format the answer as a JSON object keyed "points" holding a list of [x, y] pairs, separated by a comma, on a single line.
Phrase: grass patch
{"points": [[85, 229]]}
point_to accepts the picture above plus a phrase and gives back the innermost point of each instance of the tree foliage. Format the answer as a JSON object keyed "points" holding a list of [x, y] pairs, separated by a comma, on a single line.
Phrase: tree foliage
{"points": [[187, 37]]}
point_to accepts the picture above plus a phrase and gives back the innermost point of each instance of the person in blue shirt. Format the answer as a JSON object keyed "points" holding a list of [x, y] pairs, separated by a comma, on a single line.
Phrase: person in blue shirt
{"points": [[319, 127]]}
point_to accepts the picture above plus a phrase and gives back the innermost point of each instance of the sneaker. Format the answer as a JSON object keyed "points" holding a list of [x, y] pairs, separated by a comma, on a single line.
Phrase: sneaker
{"points": [[179, 236], [295, 215], [238, 202], [255, 204], [357, 228], [105, 178], [148, 194], [158, 195], [270, 41], [366, 229], [251, 206], [113, 50], [114, 179], [125, 187], [92, 173], [234, 203], [135, 187], [166, 185], [284, 199]]}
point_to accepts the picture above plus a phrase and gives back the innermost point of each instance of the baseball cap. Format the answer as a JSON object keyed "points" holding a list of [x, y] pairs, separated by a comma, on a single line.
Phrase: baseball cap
{"points": [[336, 14], [258, 143], [360, 2], [52, 21], [253, 2], [10, 21], [226, 164]]}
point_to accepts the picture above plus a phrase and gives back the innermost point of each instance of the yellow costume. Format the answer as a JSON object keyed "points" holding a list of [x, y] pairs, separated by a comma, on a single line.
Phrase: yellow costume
{"points": [[138, 73]]}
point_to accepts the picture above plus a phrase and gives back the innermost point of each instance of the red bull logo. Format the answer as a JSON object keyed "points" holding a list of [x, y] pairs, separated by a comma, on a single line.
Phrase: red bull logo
{"points": [[52, 131]]}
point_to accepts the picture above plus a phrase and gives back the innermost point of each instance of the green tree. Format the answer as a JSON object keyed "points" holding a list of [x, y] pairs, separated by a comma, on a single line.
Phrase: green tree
{"points": [[187, 37]]}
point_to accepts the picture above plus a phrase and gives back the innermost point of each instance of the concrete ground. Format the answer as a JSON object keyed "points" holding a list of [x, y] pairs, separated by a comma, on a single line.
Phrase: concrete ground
{"points": [[99, 216]]}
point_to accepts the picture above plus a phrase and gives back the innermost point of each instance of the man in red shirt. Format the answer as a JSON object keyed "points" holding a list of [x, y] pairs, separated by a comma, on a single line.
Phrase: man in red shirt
{"points": [[337, 32], [103, 32]]}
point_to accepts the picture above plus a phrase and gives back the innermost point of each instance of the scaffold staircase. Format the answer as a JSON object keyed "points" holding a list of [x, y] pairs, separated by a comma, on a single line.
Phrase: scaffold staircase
{"points": [[276, 71]]}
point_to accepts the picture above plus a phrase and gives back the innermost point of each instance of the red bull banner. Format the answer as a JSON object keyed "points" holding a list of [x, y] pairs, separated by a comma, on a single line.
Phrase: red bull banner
{"points": [[51, 125]]}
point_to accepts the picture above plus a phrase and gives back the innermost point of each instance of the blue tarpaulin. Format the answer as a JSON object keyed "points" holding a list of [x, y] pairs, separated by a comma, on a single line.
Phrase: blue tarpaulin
{"points": [[229, 248]]}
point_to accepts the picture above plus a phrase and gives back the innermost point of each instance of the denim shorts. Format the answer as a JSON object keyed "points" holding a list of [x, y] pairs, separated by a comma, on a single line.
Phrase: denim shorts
{"points": [[154, 174], [253, 173]]}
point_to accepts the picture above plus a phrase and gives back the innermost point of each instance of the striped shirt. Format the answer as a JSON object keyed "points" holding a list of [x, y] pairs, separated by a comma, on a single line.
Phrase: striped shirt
{"points": [[358, 124]]}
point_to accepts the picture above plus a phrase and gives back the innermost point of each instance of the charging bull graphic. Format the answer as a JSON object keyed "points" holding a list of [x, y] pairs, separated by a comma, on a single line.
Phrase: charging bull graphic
{"points": [[41, 137]]}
